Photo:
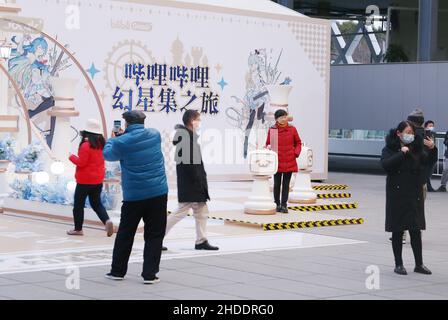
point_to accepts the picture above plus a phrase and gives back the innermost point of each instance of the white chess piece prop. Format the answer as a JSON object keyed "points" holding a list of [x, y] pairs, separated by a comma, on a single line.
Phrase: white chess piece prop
{"points": [[303, 191], [279, 96], [263, 164], [4, 187]]}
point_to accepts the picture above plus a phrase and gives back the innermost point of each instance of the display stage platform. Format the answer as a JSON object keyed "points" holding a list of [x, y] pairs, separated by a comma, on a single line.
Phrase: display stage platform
{"points": [[227, 204], [27, 245]]}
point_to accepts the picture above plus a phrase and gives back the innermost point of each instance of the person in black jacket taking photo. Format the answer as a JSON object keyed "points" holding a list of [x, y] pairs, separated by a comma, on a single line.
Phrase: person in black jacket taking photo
{"points": [[404, 159]]}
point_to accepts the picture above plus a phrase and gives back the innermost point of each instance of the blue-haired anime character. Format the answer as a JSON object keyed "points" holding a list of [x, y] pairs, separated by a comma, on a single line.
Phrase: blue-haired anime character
{"points": [[31, 72], [256, 94]]}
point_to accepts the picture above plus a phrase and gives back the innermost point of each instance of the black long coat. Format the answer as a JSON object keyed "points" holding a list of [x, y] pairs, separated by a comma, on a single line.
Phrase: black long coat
{"points": [[405, 204], [191, 176]]}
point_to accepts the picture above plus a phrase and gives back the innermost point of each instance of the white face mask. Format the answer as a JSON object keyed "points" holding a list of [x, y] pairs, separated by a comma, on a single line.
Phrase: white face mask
{"points": [[407, 138], [197, 126], [431, 129]]}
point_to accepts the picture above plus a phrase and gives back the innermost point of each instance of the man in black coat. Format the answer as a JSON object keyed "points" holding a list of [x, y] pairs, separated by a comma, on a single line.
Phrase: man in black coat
{"points": [[429, 132], [192, 187], [404, 158]]}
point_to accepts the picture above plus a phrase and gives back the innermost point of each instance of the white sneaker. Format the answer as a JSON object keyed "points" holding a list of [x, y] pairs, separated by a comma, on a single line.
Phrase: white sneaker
{"points": [[151, 281]]}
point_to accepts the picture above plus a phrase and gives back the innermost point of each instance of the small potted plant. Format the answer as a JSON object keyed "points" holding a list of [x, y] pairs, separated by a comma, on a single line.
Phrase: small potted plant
{"points": [[6, 152]]}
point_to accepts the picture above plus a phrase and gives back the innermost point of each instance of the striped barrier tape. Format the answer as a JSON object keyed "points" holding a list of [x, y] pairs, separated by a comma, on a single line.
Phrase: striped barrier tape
{"points": [[333, 195], [331, 187], [325, 207], [311, 224]]}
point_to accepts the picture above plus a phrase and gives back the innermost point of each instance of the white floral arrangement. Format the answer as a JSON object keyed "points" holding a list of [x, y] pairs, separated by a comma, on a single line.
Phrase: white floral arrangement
{"points": [[113, 170], [7, 148], [55, 193], [29, 159]]}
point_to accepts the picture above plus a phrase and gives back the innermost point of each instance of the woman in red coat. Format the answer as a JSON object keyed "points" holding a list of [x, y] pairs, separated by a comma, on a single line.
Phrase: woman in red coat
{"points": [[285, 141], [89, 176]]}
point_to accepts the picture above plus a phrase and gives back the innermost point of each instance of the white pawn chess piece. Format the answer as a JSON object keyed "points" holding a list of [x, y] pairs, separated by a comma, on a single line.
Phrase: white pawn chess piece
{"points": [[303, 191], [262, 164]]}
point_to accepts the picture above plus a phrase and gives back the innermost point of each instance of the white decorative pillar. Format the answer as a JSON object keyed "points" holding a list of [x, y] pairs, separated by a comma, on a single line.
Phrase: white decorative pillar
{"points": [[303, 191], [63, 110], [262, 164], [4, 186]]}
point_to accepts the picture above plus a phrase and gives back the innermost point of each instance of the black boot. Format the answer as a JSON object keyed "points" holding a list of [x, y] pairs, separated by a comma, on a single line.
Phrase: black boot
{"points": [[442, 189], [284, 209], [279, 208], [164, 248], [400, 270], [422, 269]]}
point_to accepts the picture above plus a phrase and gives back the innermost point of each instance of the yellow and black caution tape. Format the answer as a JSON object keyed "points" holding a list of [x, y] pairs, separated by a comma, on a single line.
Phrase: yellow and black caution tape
{"points": [[341, 206], [311, 224], [331, 187], [223, 219], [333, 195]]}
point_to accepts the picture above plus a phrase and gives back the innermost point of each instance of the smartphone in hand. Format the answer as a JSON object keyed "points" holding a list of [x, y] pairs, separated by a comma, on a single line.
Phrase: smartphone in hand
{"points": [[117, 128]]}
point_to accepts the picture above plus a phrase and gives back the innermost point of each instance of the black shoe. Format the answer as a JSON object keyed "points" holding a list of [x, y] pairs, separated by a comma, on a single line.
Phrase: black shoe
{"points": [[113, 277], [151, 280], [279, 208], [164, 248], [422, 269], [431, 189], [284, 209], [400, 270], [205, 246], [442, 189]]}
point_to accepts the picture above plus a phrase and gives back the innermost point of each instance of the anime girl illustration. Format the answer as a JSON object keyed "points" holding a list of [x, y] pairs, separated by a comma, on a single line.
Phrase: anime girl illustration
{"points": [[31, 71], [260, 73]]}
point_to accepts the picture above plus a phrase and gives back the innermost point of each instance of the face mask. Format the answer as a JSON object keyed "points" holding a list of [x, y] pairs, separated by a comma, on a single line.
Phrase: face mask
{"points": [[431, 129], [197, 125], [407, 138]]}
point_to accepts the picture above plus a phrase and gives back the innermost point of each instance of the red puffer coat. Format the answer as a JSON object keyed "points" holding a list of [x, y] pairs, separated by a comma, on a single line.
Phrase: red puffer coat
{"points": [[89, 165], [285, 141]]}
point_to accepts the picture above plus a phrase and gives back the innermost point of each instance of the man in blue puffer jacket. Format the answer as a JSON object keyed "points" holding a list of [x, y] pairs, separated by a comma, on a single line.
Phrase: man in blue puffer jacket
{"points": [[145, 195]]}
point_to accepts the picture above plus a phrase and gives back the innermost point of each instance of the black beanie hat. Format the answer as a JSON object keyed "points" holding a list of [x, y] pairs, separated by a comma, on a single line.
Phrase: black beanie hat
{"points": [[417, 117]]}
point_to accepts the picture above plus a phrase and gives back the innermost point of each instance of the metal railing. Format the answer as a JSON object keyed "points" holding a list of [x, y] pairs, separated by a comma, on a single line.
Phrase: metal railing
{"points": [[440, 153]]}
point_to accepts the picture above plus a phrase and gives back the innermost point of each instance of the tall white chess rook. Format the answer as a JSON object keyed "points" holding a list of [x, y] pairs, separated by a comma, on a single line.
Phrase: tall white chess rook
{"points": [[63, 110], [263, 164], [303, 191], [279, 95]]}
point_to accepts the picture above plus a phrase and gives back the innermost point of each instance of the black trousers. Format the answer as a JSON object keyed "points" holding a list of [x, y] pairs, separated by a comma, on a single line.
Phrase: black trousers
{"points": [[429, 173], [93, 191], [282, 180], [416, 244], [260, 116], [153, 211]]}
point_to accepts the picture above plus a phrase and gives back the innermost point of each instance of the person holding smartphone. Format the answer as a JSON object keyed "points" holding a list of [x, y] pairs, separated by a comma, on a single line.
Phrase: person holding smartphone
{"points": [[404, 158], [145, 195], [90, 171]]}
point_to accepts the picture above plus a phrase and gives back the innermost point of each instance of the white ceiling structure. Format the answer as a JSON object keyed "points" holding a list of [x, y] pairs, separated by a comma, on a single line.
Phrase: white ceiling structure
{"points": [[265, 6]]}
